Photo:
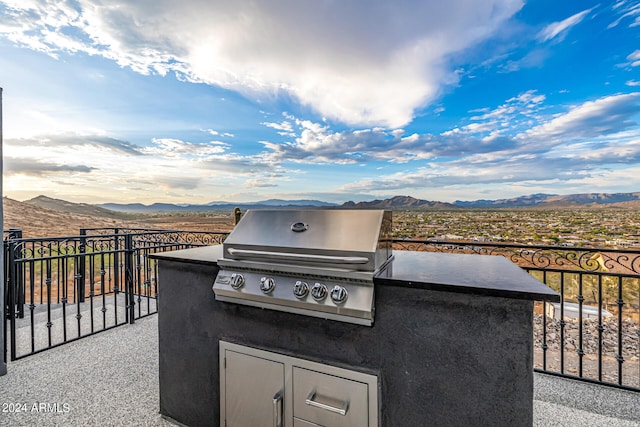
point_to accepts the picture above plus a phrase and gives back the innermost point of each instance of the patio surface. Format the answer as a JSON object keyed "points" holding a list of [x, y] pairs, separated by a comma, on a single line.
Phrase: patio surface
{"points": [[111, 379]]}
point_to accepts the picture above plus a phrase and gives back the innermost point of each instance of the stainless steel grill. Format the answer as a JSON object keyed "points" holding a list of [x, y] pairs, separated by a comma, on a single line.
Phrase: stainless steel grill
{"points": [[316, 262]]}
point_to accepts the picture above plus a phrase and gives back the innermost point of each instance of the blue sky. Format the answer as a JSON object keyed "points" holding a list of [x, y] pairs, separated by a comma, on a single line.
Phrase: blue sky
{"points": [[209, 100]]}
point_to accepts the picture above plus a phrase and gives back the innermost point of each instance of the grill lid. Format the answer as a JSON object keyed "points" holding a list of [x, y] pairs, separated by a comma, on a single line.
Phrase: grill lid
{"points": [[348, 239]]}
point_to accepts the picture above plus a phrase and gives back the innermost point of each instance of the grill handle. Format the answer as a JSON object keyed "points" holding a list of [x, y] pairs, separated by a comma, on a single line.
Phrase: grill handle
{"points": [[289, 257]]}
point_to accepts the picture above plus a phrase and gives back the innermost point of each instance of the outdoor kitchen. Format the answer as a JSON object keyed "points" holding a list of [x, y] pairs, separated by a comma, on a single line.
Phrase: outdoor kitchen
{"points": [[309, 318]]}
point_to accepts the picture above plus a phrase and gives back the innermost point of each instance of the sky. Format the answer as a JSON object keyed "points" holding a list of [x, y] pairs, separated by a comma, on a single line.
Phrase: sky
{"points": [[197, 101]]}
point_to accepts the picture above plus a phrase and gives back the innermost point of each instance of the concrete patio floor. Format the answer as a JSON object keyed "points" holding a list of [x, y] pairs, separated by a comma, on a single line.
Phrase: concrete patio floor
{"points": [[111, 379]]}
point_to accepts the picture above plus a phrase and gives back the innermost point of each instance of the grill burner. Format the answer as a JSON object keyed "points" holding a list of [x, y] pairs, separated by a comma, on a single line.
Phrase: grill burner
{"points": [[316, 262]]}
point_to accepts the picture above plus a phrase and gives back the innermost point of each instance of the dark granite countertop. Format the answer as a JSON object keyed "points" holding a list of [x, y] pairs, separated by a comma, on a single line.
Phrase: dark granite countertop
{"points": [[202, 255], [471, 274]]}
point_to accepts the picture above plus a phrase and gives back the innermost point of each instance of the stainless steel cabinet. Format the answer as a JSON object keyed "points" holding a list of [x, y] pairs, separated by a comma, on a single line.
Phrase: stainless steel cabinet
{"points": [[257, 383], [260, 388]]}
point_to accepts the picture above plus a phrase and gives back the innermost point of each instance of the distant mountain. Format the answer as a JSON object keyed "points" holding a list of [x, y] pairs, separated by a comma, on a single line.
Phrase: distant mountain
{"points": [[600, 198], [553, 200], [75, 208], [37, 221], [399, 202], [531, 200], [536, 201], [303, 202], [214, 206]]}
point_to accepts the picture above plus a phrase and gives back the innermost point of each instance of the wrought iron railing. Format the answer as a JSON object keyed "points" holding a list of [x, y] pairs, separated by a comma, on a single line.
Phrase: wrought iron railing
{"points": [[62, 289], [594, 334]]}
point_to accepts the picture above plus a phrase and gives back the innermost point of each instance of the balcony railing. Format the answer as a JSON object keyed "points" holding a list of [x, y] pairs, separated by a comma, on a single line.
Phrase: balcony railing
{"points": [[594, 333], [62, 289]]}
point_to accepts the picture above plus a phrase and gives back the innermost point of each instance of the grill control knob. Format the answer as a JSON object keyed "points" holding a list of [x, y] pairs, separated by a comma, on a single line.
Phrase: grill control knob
{"points": [[267, 285], [300, 289], [339, 294], [319, 292], [237, 281]]}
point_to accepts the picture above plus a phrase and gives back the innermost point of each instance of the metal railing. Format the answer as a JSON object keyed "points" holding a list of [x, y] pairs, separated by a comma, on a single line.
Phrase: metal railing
{"points": [[594, 333], [62, 289]]}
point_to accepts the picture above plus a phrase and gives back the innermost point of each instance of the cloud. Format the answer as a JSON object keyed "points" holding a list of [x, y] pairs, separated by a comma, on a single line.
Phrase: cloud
{"points": [[371, 66], [175, 148], [561, 28], [517, 127], [68, 140], [626, 9], [168, 164], [515, 111], [186, 164], [285, 127], [533, 59], [604, 116], [39, 168], [259, 183], [478, 171], [634, 58], [216, 133], [317, 144], [175, 182], [518, 142]]}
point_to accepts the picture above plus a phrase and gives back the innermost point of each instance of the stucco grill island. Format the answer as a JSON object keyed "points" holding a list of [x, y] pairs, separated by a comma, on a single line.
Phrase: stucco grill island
{"points": [[307, 318]]}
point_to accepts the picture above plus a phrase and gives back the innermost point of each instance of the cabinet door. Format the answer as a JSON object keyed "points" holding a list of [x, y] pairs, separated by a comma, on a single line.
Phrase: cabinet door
{"points": [[253, 391]]}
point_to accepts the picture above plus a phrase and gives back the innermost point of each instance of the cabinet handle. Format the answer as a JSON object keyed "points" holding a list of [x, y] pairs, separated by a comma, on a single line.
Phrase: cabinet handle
{"points": [[309, 401], [277, 409]]}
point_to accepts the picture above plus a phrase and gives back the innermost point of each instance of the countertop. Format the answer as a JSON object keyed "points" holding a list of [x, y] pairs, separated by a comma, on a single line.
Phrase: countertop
{"points": [[471, 274], [201, 255]]}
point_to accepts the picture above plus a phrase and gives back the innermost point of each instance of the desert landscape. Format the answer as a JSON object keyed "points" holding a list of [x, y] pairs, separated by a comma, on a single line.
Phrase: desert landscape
{"points": [[602, 226], [60, 219]]}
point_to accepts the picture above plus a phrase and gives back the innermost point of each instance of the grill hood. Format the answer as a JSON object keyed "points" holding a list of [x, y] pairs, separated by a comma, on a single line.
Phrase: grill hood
{"points": [[336, 238]]}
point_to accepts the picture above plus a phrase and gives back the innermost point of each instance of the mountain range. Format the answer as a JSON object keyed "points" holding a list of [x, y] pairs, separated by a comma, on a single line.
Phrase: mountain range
{"points": [[213, 206], [537, 201]]}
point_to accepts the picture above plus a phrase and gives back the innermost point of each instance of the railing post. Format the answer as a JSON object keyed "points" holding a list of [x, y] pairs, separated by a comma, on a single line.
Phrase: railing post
{"points": [[12, 296], [619, 356], [9, 269], [6, 305], [116, 262], [545, 346], [81, 268], [17, 279], [129, 282]]}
